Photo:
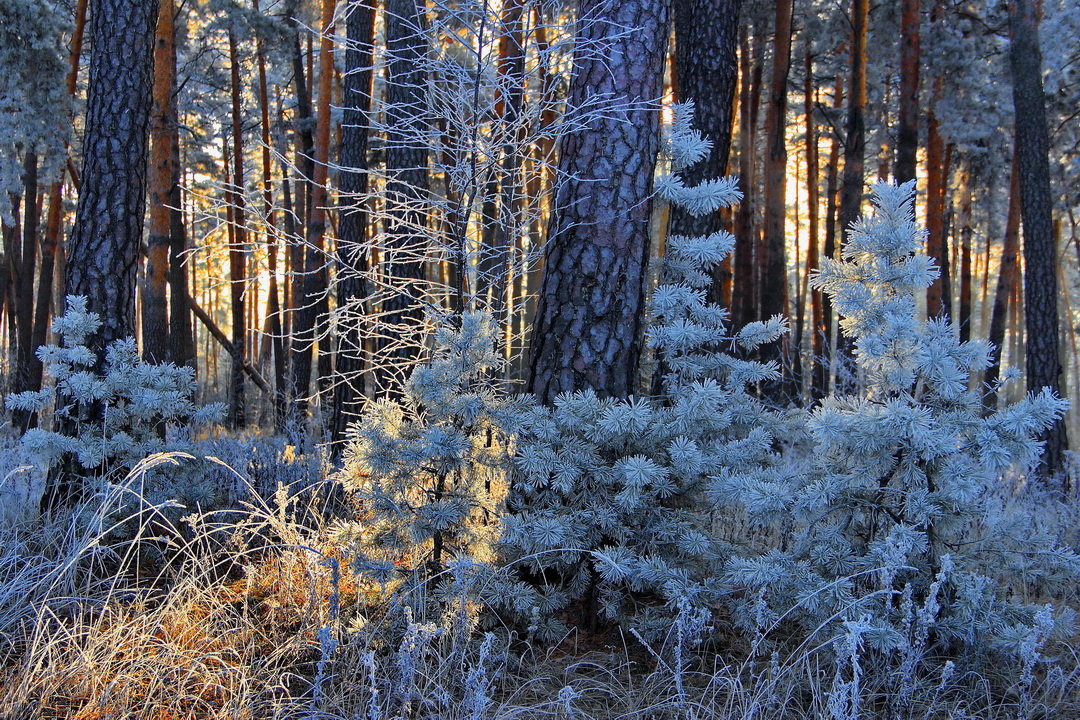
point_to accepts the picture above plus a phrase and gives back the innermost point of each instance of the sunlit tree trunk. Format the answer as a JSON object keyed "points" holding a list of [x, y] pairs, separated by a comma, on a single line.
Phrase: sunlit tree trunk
{"points": [[1006, 284], [155, 316], [855, 127]]}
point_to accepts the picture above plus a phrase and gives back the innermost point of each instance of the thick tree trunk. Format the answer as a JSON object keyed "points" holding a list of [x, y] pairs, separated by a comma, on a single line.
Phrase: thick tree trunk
{"points": [[832, 184], [155, 316], [907, 136], [587, 332], [1036, 206], [104, 246], [706, 63]]}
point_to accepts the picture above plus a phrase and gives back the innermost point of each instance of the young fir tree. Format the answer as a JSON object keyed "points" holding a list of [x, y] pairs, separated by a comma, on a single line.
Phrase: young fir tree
{"points": [[430, 468], [608, 505], [892, 525], [144, 408]]}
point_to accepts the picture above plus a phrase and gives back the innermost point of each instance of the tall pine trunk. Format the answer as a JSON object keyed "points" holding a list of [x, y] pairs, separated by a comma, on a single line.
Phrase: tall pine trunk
{"points": [[238, 246], [104, 246], [907, 135], [706, 64], [587, 332], [353, 218], [1036, 206], [155, 316]]}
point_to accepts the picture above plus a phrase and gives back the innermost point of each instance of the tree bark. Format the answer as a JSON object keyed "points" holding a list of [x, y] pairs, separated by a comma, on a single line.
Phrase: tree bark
{"points": [[907, 136], [813, 262], [774, 267], [104, 246], [851, 191], [588, 323], [407, 190], [238, 246], [1036, 206], [706, 64], [353, 218], [155, 316]]}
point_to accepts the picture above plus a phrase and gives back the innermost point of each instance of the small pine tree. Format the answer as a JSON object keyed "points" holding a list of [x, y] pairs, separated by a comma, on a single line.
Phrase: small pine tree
{"points": [[890, 524], [146, 408], [430, 470], [609, 504]]}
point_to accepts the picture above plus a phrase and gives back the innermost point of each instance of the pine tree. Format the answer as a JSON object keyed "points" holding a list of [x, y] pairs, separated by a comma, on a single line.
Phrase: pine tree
{"points": [[895, 507]]}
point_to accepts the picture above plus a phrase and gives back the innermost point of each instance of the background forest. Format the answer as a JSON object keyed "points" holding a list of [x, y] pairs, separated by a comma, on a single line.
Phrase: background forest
{"points": [[539, 358]]}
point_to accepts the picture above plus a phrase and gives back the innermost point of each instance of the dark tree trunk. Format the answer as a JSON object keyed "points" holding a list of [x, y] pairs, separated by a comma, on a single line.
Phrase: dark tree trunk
{"points": [[407, 188], [238, 246], [774, 281], [1006, 285], [23, 315], [907, 136], [104, 246], [743, 304], [851, 191], [1036, 205], [813, 261], [353, 222], [706, 62], [587, 332]]}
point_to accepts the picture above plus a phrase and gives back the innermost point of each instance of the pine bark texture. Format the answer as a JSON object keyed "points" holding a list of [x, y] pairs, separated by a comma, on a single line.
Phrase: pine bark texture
{"points": [[706, 61], [1036, 205], [587, 332], [104, 245]]}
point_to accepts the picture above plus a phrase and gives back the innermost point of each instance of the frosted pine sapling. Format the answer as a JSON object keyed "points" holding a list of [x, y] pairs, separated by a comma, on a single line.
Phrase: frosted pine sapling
{"points": [[891, 525], [146, 408]]}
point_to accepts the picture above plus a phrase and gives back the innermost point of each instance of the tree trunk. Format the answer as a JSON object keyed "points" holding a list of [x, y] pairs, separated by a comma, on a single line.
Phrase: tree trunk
{"points": [[23, 315], [965, 232], [774, 285], [851, 191], [1036, 205], [104, 247], [907, 136], [1006, 285], [743, 307], [817, 325], [588, 322], [706, 63], [155, 319], [353, 219], [406, 190], [238, 246]]}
